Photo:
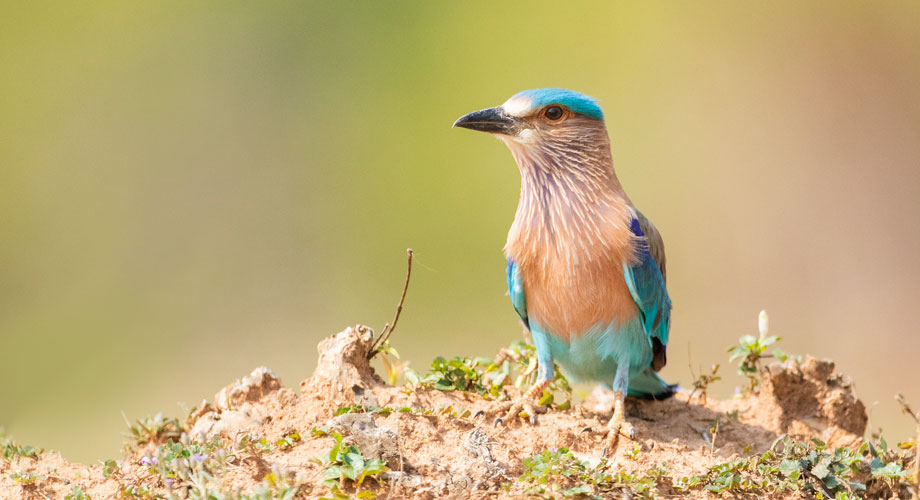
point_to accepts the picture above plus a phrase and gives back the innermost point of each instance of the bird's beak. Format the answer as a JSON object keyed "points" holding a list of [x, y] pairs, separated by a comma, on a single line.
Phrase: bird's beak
{"points": [[491, 120]]}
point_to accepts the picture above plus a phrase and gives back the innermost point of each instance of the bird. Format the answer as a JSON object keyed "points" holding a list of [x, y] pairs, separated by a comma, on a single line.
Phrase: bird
{"points": [[586, 269]]}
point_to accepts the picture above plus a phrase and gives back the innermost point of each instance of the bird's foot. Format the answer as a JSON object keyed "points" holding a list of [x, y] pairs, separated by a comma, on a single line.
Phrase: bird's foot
{"points": [[528, 404], [519, 408], [614, 432], [618, 426]]}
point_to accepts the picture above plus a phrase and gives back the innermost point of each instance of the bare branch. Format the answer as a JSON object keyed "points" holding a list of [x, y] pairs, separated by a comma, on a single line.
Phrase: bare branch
{"points": [[387, 328], [905, 407]]}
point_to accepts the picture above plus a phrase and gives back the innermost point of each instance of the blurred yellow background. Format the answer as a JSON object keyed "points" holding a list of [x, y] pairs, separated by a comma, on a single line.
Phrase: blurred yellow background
{"points": [[192, 189]]}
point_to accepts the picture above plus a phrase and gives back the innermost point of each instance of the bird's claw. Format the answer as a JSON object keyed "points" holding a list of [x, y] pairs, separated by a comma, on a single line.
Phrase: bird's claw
{"points": [[618, 427], [523, 405], [528, 403]]}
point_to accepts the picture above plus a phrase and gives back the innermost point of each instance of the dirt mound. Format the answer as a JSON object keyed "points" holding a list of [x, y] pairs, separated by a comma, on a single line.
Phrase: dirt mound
{"points": [[435, 443], [808, 399]]}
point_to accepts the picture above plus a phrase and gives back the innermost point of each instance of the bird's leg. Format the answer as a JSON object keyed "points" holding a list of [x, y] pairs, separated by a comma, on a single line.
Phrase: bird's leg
{"points": [[618, 425], [531, 398]]}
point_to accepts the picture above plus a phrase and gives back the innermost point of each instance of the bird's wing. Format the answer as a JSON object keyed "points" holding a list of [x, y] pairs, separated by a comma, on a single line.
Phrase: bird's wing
{"points": [[655, 243], [646, 283], [516, 291]]}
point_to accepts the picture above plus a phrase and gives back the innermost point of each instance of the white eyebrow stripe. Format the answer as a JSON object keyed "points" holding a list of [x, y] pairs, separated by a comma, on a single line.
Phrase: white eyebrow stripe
{"points": [[518, 106]]}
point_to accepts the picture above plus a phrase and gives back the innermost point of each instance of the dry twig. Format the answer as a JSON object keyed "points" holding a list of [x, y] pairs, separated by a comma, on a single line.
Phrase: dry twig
{"points": [[387, 328], [715, 434]]}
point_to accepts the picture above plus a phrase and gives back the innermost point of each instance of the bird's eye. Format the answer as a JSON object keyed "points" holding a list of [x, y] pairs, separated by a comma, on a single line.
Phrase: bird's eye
{"points": [[553, 113]]}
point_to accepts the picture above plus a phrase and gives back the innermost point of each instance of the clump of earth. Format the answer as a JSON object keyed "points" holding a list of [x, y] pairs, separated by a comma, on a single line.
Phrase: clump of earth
{"points": [[460, 454]]}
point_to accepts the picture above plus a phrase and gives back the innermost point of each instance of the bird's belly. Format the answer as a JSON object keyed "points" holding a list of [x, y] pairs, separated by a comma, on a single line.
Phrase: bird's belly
{"points": [[595, 354], [571, 303]]}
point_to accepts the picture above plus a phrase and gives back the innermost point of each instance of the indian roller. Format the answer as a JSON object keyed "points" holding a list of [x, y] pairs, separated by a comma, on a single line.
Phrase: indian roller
{"points": [[586, 270]]}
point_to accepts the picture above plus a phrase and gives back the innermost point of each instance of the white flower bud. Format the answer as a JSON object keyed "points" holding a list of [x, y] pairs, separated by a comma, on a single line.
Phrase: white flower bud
{"points": [[763, 324]]}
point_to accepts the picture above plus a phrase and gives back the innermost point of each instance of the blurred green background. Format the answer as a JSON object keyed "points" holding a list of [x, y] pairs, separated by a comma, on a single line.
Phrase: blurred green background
{"points": [[192, 189]]}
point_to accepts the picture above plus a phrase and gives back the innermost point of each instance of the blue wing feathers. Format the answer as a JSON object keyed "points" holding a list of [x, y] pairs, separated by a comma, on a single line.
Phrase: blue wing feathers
{"points": [[516, 291], [647, 287]]}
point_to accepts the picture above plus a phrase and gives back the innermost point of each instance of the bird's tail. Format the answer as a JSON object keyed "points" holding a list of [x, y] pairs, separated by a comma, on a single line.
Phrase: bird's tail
{"points": [[648, 385]]}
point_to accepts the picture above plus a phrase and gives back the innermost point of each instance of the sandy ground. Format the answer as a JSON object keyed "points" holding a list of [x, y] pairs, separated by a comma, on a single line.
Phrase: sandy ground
{"points": [[461, 454]]}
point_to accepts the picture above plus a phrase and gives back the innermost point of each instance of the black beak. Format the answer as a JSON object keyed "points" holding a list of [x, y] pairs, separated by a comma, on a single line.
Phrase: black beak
{"points": [[492, 120]]}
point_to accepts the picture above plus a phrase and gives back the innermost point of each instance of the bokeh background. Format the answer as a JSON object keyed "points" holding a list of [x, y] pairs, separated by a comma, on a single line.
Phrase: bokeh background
{"points": [[192, 189]]}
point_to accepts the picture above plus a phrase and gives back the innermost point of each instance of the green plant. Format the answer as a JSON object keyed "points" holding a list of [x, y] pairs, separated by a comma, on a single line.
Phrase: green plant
{"points": [[555, 473], [78, 494], [288, 440], [138, 491], [337, 494], [633, 453], [870, 471], [808, 467], [701, 384], [457, 374], [516, 365], [11, 450], [560, 472], [642, 486], [750, 350], [194, 466], [520, 358], [257, 445], [886, 466], [26, 478], [912, 444], [445, 410], [345, 464], [394, 369], [155, 429], [358, 408], [197, 469], [275, 486], [109, 467]]}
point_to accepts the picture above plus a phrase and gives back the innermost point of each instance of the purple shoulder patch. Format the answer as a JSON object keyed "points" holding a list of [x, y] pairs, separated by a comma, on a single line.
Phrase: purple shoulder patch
{"points": [[635, 228]]}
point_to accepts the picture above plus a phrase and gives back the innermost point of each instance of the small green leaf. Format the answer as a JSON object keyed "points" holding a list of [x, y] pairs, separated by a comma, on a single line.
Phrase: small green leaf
{"points": [[790, 467], [892, 470], [820, 471]]}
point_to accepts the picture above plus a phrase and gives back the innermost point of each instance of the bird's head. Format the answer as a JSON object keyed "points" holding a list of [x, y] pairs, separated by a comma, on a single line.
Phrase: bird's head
{"points": [[540, 118], [559, 141]]}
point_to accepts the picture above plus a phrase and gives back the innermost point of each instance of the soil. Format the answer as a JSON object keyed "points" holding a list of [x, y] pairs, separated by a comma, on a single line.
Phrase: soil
{"points": [[438, 455]]}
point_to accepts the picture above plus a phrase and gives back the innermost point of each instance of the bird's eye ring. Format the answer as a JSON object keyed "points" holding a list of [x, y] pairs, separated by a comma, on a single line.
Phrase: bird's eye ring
{"points": [[553, 113]]}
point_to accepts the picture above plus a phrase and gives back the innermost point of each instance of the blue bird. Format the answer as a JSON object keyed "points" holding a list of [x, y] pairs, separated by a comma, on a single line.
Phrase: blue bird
{"points": [[586, 270]]}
